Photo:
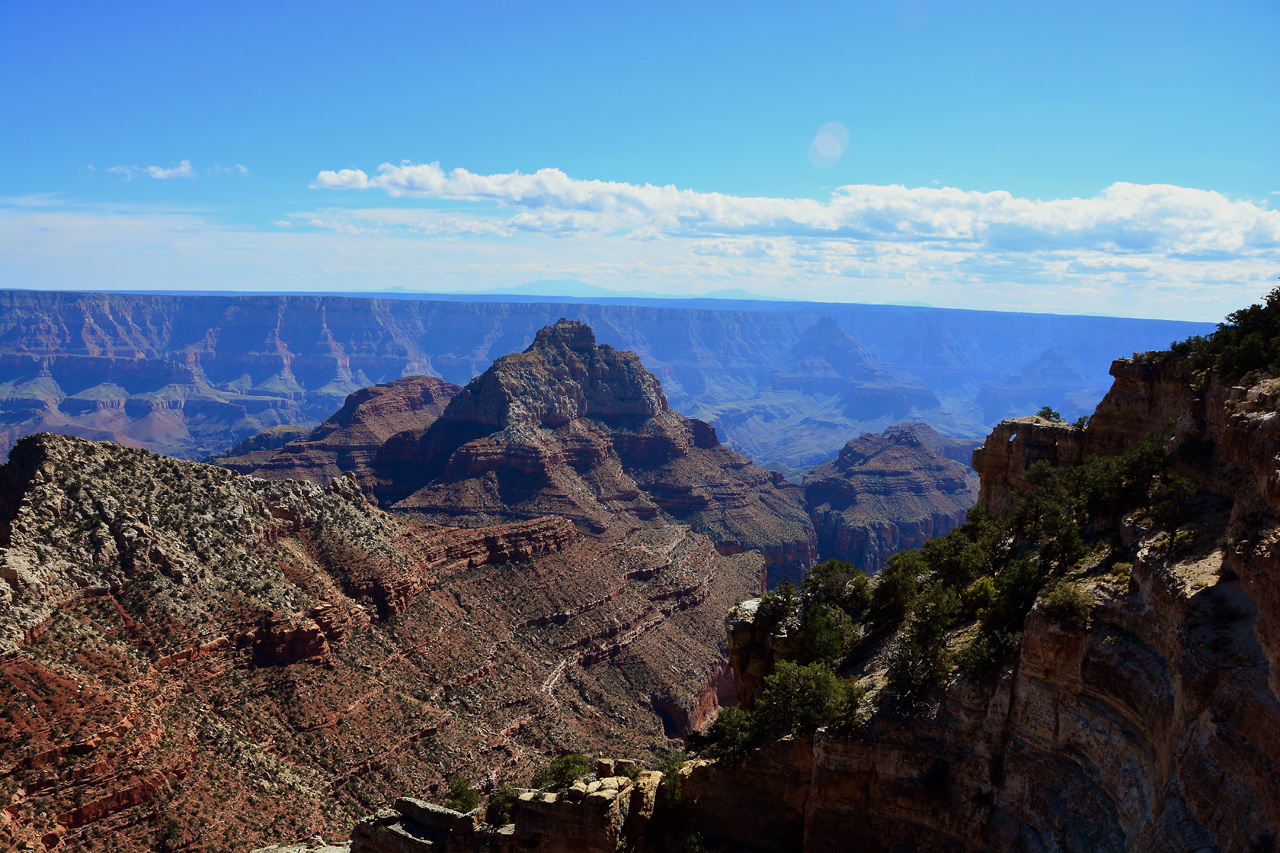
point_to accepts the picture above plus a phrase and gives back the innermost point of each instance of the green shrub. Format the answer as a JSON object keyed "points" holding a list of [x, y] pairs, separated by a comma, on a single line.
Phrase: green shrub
{"points": [[669, 763], [980, 657], [978, 596], [777, 606], [462, 797], [560, 772], [824, 632], [800, 699], [838, 583], [1248, 341], [501, 808], [1069, 601], [1048, 414], [895, 589], [728, 736]]}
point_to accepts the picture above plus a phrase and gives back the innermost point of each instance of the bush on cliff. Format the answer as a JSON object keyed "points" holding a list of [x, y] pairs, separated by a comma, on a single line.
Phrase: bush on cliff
{"points": [[825, 631], [560, 772], [1248, 341], [462, 797], [840, 583], [728, 736], [501, 808], [800, 699], [989, 571]]}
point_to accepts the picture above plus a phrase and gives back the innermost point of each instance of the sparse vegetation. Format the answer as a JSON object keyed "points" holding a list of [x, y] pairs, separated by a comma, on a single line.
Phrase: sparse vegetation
{"points": [[462, 797], [987, 574], [1070, 601], [561, 771], [1247, 342], [501, 808]]}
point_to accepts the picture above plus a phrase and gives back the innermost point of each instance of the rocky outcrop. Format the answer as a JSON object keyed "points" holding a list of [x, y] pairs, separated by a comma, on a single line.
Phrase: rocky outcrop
{"points": [[192, 658], [193, 375], [584, 432], [886, 493], [348, 440], [1152, 727], [597, 813], [1014, 446]]}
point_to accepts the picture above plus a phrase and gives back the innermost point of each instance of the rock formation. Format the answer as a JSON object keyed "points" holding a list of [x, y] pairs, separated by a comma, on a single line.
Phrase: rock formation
{"points": [[191, 659], [886, 493], [193, 375], [1152, 727], [584, 432], [1152, 724], [348, 440]]}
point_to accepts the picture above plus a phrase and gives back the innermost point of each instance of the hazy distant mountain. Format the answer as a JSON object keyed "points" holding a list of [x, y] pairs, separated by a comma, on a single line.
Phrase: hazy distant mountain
{"points": [[193, 375]]}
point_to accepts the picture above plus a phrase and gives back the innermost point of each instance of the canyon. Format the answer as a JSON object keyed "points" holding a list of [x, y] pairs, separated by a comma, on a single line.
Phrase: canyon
{"points": [[194, 659], [585, 432], [888, 493], [1150, 724], [784, 383]]}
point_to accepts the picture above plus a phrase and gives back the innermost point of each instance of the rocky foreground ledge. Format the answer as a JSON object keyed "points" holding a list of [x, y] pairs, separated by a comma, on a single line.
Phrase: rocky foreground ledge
{"points": [[598, 813]]}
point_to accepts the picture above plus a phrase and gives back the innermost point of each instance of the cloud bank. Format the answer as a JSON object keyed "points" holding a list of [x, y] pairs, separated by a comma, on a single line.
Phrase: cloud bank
{"points": [[1123, 219]]}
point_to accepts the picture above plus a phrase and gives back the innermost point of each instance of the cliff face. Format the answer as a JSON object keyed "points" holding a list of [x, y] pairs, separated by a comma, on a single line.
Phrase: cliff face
{"points": [[193, 375], [1155, 727], [886, 493], [196, 659], [585, 432], [348, 440]]}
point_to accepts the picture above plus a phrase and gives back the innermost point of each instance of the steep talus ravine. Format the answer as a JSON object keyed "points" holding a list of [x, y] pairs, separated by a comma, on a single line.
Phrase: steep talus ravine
{"points": [[200, 660]]}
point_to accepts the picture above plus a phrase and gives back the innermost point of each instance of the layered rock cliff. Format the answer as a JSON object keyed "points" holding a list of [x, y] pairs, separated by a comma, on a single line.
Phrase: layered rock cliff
{"points": [[348, 440], [886, 493], [1150, 725], [198, 660], [585, 432], [193, 375], [1144, 717]]}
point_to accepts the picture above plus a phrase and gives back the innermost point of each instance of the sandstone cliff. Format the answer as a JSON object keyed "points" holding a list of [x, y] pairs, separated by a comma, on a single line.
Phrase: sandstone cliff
{"points": [[1150, 726], [348, 440], [886, 493], [1148, 721], [199, 660], [585, 432]]}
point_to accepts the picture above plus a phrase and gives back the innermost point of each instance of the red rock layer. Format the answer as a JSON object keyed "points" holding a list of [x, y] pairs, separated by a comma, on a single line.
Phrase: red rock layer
{"points": [[197, 660], [886, 493], [349, 439], [584, 432]]}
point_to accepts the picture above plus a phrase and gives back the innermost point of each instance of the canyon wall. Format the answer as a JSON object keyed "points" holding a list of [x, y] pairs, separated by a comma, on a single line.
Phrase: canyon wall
{"points": [[887, 493], [786, 383], [1156, 726], [192, 659]]}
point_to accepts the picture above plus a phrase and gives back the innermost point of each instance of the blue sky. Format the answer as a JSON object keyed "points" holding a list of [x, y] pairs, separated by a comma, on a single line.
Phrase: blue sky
{"points": [[1119, 158]]}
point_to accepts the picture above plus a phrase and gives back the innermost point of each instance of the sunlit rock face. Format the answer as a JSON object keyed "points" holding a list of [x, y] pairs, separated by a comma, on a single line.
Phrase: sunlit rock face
{"points": [[887, 493], [192, 658], [585, 432]]}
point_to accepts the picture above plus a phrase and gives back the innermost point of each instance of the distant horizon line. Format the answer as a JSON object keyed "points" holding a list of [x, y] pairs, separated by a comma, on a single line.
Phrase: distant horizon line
{"points": [[529, 297]]}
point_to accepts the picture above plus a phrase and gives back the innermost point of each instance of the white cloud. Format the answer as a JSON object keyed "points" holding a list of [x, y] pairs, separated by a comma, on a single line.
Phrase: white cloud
{"points": [[160, 173], [1124, 218], [182, 170], [1130, 250], [243, 171]]}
